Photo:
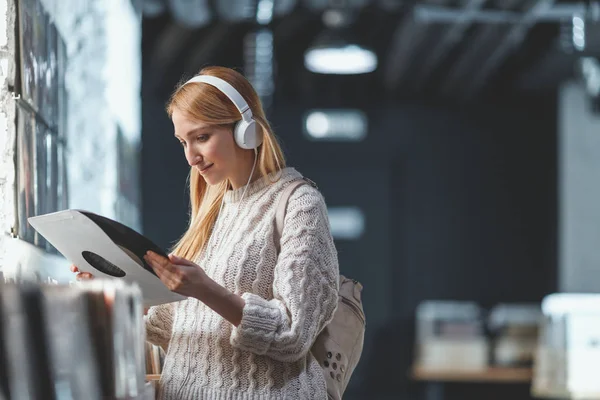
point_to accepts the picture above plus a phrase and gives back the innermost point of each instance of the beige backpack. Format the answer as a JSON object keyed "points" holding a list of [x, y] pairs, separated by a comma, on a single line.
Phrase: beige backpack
{"points": [[339, 345]]}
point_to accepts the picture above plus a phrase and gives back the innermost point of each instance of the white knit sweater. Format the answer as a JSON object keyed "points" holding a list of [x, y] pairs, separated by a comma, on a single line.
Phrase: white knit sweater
{"points": [[289, 299]]}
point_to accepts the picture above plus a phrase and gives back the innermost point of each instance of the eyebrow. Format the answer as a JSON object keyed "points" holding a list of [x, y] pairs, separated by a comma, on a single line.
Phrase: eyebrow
{"points": [[193, 131]]}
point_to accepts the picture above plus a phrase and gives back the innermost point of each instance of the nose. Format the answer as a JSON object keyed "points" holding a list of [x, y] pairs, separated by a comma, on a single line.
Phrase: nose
{"points": [[193, 157]]}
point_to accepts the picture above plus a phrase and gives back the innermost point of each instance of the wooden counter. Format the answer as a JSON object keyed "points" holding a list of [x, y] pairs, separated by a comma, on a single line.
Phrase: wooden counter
{"points": [[492, 374]]}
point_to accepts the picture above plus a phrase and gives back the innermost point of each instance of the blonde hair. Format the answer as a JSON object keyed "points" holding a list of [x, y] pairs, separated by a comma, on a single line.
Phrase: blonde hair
{"points": [[208, 104]]}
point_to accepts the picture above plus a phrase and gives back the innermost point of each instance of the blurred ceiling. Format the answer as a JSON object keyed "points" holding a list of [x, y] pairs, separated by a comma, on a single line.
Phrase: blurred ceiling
{"points": [[430, 50]]}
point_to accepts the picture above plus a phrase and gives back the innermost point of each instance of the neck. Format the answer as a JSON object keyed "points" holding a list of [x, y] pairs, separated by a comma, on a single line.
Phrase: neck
{"points": [[242, 177]]}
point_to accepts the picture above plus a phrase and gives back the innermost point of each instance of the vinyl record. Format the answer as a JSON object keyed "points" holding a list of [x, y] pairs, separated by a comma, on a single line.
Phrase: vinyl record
{"points": [[106, 249], [133, 243], [73, 362]]}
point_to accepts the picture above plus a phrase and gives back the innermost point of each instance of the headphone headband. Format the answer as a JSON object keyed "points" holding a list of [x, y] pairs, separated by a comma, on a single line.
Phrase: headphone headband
{"points": [[228, 90], [245, 132]]}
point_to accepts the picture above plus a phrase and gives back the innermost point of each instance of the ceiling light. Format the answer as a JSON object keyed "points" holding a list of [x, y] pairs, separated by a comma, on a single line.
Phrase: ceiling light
{"points": [[336, 125], [336, 50], [317, 125], [343, 59]]}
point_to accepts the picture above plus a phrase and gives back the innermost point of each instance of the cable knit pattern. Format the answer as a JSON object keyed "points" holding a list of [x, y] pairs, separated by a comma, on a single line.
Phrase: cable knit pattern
{"points": [[289, 298], [159, 322]]}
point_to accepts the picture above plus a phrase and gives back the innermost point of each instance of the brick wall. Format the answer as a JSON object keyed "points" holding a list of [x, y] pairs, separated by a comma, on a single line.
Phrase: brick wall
{"points": [[7, 126]]}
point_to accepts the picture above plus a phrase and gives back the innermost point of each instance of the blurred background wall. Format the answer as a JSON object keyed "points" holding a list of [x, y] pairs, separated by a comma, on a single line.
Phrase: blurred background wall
{"points": [[456, 177], [457, 205]]}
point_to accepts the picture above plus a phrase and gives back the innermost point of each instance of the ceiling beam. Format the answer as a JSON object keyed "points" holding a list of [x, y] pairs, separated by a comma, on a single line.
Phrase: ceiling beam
{"points": [[477, 49], [513, 38], [406, 39], [449, 39]]}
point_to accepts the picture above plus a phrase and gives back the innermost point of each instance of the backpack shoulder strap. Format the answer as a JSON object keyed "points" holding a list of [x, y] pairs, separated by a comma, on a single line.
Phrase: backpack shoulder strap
{"points": [[282, 206]]}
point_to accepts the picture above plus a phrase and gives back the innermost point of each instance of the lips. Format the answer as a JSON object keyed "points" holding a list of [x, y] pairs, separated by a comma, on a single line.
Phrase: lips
{"points": [[204, 169]]}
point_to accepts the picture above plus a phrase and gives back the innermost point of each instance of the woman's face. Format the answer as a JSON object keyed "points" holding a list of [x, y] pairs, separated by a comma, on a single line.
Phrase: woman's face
{"points": [[208, 148]]}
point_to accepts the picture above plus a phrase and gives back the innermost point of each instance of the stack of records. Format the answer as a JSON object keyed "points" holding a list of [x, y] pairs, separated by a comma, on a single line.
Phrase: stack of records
{"points": [[85, 341], [26, 344], [67, 334], [117, 334]]}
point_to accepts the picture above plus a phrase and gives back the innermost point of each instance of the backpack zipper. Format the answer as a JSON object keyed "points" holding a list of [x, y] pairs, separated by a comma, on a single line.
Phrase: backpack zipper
{"points": [[354, 308]]}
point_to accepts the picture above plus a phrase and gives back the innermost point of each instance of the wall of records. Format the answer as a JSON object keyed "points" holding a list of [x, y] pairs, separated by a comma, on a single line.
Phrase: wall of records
{"points": [[41, 112], [78, 142]]}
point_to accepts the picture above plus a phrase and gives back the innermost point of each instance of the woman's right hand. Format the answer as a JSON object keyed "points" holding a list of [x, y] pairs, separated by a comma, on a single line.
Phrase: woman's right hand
{"points": [[81, 276]]}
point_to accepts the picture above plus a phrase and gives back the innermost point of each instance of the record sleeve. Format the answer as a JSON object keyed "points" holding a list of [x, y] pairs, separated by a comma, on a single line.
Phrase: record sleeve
{"points": [[27, 200], [105, 248], [27, 50], [74, 367]]}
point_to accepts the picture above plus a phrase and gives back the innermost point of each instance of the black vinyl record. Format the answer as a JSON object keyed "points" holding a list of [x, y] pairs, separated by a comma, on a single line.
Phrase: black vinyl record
{"points": [[133, 243]]}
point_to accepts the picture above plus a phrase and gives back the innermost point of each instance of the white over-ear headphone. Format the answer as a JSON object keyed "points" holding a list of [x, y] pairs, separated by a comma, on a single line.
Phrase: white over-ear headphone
{"points": [[245, 131]]}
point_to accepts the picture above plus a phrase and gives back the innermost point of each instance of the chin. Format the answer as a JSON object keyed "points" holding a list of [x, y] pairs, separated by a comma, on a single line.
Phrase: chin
{"points": [[212, 179]]}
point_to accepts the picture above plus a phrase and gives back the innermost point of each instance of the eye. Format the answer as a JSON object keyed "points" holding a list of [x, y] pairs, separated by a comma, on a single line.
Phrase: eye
{"points": [[202, 138], [182, 143]]}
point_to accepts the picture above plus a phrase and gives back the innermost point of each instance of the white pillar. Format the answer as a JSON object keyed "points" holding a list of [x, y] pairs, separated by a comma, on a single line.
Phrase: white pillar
{"points": [[579, 192]]}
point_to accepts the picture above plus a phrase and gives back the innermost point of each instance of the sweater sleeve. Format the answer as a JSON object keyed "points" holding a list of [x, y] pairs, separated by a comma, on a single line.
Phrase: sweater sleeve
{"points": [[305, 286], [159, 324]]}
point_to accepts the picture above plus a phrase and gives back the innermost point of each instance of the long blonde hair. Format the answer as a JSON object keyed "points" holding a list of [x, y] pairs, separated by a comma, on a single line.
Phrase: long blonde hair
{"points": [[208, 104]]}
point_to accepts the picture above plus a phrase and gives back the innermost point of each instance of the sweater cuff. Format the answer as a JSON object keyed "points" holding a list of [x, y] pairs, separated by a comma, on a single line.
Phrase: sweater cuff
{"points": [[157, 332], [260, 321]]}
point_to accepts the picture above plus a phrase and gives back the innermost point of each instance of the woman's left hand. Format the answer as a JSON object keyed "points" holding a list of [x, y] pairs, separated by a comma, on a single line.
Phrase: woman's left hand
{"points": [[178, 274]]}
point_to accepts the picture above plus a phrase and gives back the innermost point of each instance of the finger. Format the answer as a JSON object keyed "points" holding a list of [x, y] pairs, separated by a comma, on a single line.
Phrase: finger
{"points": [[169, 269], [170, 280], [84, 276], [180, 261], [157, 259], [163, 268], [74, 268], [171, 275], [154, 263]]}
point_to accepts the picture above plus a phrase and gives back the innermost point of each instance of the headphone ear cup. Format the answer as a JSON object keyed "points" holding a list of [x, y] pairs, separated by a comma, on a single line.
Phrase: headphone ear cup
{"points": [[246, 135]]}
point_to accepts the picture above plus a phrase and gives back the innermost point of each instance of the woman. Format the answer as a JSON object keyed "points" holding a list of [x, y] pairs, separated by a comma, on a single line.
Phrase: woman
{"points": [[253, 311]]}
